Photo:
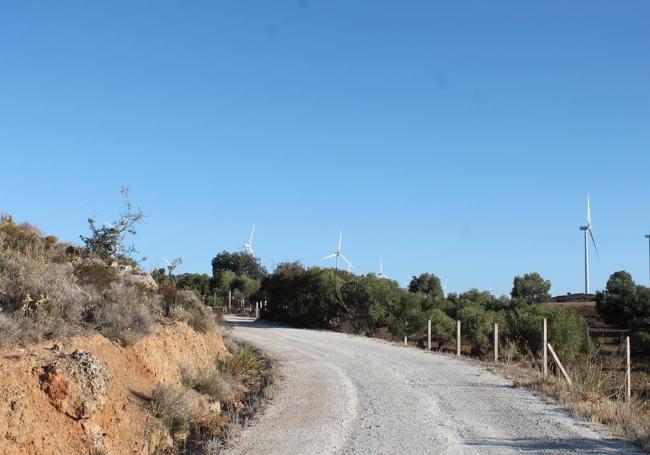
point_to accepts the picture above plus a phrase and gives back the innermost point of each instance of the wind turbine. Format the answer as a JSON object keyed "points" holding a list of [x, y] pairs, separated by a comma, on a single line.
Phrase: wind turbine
{"points": [[338, 253], [648, 237], [248, 247], [381, 270], [588, 230]]}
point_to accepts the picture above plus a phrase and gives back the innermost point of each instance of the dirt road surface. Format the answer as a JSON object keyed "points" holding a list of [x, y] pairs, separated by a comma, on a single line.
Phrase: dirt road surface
{"points": [[344, 394]]}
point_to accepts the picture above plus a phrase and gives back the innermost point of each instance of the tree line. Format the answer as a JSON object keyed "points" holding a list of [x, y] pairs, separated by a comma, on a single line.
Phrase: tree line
{"points": [[375, 306]]}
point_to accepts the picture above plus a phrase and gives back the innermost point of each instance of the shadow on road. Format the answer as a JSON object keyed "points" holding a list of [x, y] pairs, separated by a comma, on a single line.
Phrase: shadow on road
{"points": [[575, 445]]}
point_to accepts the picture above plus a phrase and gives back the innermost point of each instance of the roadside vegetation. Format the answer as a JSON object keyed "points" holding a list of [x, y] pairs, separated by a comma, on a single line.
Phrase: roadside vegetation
{"points": [[50, 290], [238, 383]]}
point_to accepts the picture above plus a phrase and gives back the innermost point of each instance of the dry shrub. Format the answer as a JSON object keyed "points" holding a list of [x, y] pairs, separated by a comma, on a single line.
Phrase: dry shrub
{"points": [[170, 405], [241, 364], [212, 383], [32, 286], [190, 309], [123, 314], [96, 273]]}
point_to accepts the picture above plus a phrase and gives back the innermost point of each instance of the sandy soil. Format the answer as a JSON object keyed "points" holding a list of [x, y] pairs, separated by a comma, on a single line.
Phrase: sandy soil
{"points": [[30, 424], [344, 394]]}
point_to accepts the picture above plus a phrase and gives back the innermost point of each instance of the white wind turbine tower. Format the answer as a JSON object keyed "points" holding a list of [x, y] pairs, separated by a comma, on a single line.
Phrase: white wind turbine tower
{"points": [[381, 270], [350, 265], [248, 246], [338, 253], [588, 230], [648, 237]]}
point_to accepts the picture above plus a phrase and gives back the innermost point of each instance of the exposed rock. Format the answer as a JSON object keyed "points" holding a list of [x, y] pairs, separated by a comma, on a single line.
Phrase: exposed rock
{"points": [[140, 278], [76, 384]]}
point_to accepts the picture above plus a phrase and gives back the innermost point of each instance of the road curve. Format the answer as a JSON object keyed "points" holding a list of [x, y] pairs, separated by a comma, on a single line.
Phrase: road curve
{"points": [[345, 394]]}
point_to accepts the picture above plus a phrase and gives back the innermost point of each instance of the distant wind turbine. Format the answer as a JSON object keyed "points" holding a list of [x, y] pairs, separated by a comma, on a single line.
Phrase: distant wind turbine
{"points": [[648, 237], [588, 230], [381, 270], [338, 253], [248, 246]]}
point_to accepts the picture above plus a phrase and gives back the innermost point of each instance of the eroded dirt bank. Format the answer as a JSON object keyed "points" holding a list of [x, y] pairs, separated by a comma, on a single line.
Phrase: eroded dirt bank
{"points": [[32, 410]]}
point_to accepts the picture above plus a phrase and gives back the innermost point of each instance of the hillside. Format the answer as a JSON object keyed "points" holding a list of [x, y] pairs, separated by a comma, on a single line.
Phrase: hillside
{"points": [[98, 357], [31, 423]]}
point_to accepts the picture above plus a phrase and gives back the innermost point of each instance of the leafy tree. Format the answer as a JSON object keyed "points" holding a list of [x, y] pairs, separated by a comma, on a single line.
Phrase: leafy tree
{"points": [[442, 327], [620, 301], [624, 302], [567, 331], [409, 320], [200, 283], [161, 278], [531, 288], [244, 287], [109, 241], [478, 326], [483, 299], [428, 285], [239, 263]]}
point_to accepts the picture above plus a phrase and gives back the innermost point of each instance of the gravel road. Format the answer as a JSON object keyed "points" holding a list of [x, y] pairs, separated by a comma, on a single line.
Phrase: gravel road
{"points": [[344, 394]]}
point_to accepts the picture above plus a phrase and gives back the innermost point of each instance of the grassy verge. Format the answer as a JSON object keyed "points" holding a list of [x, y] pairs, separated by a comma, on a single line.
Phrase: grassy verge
{"points": [[595, 395], [239, 384]]}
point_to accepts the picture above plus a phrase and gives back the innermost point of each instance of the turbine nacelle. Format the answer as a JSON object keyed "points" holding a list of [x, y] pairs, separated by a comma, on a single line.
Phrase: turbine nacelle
{"points": [[336, 254], [248, 246]]}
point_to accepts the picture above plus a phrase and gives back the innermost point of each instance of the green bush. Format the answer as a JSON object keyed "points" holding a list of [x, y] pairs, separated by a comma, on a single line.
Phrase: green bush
{"points": [[442, 327], [617, 304], [566, 330], [640, 335], [478, 327]]}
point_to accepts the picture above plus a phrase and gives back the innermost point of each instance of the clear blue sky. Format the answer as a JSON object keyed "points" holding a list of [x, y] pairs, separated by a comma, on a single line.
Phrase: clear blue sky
{"points": [[458, 138]]}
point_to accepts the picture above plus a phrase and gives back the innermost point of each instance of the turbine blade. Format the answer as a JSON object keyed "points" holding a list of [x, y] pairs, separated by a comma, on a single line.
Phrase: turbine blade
{"points": [[591, 234], [167, 261], [346, 259], [250, 239], [330, 256]]}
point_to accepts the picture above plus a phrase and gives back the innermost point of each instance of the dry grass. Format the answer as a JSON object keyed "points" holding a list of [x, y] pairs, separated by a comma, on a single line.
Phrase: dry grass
{"points": [[210, 382], [594, 396]]}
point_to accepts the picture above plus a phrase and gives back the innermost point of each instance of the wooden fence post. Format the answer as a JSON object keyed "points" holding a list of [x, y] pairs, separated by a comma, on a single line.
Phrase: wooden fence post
{"points": [[257, 310], [544, 350], [406, 340], [496, 342], [457, 337], [628, 371], [559, 364], [229, 300], [429, 335]]}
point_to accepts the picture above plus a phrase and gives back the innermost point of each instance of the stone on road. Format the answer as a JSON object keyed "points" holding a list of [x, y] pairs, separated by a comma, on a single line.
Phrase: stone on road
{"points": [[346, 394]]}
